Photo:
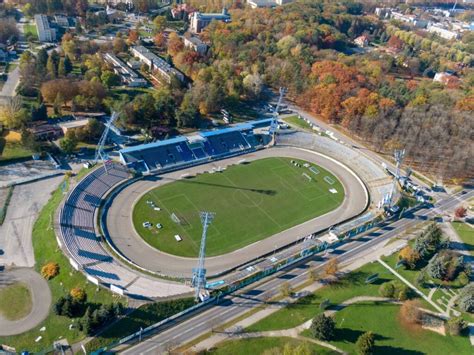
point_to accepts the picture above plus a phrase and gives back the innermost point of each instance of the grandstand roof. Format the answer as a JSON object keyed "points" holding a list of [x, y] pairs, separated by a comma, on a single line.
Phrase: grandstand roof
{"points": [[236, 128], [154, 145]]}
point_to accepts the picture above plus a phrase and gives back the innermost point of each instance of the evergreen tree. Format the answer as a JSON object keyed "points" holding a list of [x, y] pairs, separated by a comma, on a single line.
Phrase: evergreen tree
{"points": [[365, 344], [41, 61], [53, 63], [67, 64], [323, 327], [61, 68]]}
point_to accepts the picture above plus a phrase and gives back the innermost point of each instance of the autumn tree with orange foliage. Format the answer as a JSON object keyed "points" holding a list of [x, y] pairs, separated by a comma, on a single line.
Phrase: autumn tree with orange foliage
{"points": [[132, 36], [409, 256], [160, 40], [410, 313], [175, 44], [332, 267]]}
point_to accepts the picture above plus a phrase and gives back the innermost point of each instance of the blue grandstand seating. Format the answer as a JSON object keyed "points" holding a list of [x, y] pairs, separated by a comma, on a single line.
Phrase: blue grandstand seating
{"points": [[184, 151]]}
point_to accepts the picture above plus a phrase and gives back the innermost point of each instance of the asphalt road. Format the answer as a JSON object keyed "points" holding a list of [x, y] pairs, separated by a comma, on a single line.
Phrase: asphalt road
{"points": [[238, 304], [13, 79], [125, 238], [40, 299]]}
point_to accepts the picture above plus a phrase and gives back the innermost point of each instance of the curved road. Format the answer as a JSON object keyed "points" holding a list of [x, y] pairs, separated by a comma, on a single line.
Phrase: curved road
{"points": [[40, 298], [133, 247]]}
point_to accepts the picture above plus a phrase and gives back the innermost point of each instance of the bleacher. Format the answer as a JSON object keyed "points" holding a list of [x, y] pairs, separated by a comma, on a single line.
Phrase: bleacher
{"points": [[182, 151], [77, 230]]}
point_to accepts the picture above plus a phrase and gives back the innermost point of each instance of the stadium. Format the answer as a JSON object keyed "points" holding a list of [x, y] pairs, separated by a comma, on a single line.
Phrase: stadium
{"points": [[135, 226]]}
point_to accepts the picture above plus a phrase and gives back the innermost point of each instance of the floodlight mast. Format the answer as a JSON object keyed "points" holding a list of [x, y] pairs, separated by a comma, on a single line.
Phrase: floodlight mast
{"points": [[274, 124], [100, 154], [399, 155], [199, 273]]}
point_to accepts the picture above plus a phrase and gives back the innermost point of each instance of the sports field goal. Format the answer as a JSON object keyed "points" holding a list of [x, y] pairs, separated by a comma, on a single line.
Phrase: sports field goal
{"points": [[178, 219], [309, 178], [329, 180]]}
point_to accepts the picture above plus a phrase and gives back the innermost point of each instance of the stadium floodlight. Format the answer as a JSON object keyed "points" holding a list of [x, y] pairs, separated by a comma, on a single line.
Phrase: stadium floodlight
{"points": [[100, 154], [274, 124], [199, 273]]}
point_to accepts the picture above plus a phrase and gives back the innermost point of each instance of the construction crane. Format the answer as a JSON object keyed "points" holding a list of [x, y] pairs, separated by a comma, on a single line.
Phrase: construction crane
{"points": [[100, 154], [274, 124], [199, 273]]}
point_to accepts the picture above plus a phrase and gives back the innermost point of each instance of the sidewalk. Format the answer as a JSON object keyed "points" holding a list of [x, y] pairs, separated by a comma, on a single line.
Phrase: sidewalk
{"points": [[370, 255]]}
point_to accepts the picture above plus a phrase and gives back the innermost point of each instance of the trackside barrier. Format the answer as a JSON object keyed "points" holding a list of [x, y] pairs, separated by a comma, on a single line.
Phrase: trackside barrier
{"points": [[74, 264], [117, 289], [59, 242], [144, 332], [92, 279], [305, 253]]}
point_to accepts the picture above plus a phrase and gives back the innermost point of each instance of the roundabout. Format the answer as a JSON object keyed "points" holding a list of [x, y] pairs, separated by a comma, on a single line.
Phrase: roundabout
{"points": [[288, 228]]}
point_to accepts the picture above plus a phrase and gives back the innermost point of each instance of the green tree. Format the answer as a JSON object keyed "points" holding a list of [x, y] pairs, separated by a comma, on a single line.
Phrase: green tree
{"points": [[160, 23], [387, 289], [53, 64], [41, 61], [322, 327], [68, 145], [61, 68], [365, 344], [28, 140], [12, 115], [110, 79], [187, 117], [456, 326], [67, 64]]}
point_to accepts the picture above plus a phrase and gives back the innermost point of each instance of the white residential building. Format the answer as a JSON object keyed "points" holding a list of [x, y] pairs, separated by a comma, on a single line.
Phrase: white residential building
{"points": [[200, 20], [195, 44], [443, 32], [267, 3], [128, 75], [45, 32], [157, 64]]}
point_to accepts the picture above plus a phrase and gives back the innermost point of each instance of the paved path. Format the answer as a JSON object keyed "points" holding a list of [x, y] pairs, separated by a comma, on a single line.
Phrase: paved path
{"points": [[41, 300], [9, 88], [15, 233], [405, 281], [133, 247], [369, 256]]}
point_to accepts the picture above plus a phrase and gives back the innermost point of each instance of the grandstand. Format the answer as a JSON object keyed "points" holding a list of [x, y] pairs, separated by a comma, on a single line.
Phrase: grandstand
{"points": [[183, 151], [77, 234]]}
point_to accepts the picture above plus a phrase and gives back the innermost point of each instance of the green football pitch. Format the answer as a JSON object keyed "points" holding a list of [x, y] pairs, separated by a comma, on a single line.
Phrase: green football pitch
{"points": [[251, 202]]}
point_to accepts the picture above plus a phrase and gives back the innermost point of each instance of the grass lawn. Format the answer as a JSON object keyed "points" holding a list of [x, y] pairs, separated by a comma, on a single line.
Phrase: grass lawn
{"points": [[391, 337], [260, 345], [46, 250], [254, 201], [11, 148], [352, 285], [143, 317], [298, 122], [30, 28], [466, 233], [15, 301]]}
